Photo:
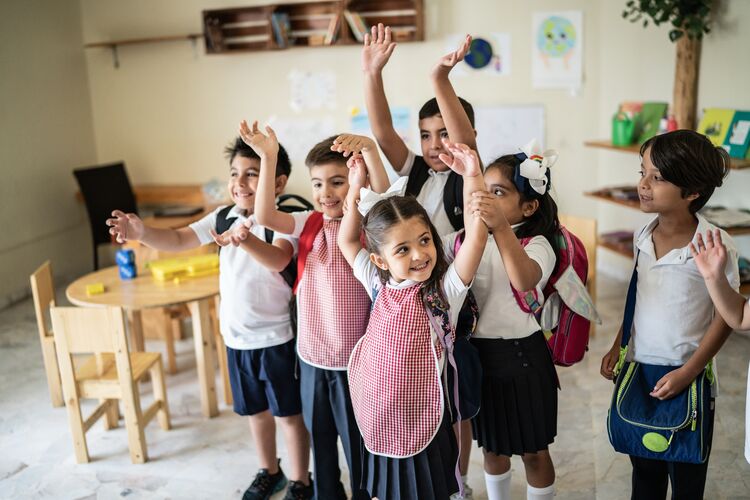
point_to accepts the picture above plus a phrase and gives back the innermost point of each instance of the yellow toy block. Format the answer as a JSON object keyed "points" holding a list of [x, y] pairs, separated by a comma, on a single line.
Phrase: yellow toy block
{"points": [[94, 289], [189, 267]]}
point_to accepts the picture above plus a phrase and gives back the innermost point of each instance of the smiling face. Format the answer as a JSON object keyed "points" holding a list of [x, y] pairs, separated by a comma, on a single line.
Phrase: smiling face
{"points": [[432, 131], [408, 251], [658, 195], [243, 182], [330, 184]]}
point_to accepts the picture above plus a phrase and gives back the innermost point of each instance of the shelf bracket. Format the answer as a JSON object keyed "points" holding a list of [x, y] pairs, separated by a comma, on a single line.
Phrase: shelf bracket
{"points": [[115, 57]]}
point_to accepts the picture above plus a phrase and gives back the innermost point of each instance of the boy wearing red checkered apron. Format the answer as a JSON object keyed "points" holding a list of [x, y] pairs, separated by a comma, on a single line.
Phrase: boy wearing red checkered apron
{"points": [[333, 309], [396, 369]]}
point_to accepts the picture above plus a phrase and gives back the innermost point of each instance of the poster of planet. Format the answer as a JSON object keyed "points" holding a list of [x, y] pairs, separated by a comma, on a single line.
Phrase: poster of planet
{"points": [[489, 54], [557, 49]]}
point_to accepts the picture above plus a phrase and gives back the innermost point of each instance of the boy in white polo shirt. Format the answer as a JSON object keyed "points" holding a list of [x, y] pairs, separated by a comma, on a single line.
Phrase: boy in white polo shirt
{"points": [[254, 317], [674, 322]]}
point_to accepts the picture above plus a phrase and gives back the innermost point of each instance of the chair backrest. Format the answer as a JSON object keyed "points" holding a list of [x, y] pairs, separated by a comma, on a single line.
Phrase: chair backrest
{"points": [[105, 188], [586, 230], [85, 330], [43, 291]]}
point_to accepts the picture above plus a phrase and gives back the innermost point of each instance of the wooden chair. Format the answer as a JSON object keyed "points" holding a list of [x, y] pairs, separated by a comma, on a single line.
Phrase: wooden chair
{"points": [[111, 375], [586, 230], [43, 291], [221, 351]]}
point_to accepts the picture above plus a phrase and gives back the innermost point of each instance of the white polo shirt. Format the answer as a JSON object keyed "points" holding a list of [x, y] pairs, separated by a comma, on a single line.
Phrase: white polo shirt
{"points": [[254, 310], [500, 316], [673, 308], [431, 195]]}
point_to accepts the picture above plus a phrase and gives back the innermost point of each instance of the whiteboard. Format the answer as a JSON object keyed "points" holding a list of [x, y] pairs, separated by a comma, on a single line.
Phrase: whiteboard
{"points": [[505, 129]]}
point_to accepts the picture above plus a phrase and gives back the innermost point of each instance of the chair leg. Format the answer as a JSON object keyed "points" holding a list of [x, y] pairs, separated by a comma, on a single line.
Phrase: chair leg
{"points": [[75, 420], [96, 257], [160, 394], [221, 352], [52, 370], [169, 341], [112, 417], [134, 425]]}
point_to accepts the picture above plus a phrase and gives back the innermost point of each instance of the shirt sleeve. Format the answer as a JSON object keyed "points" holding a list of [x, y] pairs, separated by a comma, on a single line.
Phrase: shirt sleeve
{"points": [[408, 164], [202, 228], [288, 237], [732, 269], [449, 244], [300, 218], [541, 252], [455, 292], [366, 272]]}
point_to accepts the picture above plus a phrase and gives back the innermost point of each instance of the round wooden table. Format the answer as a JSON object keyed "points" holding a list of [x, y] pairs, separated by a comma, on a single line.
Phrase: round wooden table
{"points": [[145, 292]]}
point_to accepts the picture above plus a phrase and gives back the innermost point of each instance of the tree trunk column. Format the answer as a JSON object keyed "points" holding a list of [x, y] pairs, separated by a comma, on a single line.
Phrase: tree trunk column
{"points": [[685, 96]]}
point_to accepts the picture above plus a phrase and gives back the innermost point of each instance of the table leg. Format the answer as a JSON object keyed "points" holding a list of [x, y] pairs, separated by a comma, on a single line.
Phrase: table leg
{"points": [[204, 356], [136, 330]]}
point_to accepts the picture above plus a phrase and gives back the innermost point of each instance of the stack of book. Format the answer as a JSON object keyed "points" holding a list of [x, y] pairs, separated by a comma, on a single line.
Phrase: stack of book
{"points": [[729, 129], [357, 25]]}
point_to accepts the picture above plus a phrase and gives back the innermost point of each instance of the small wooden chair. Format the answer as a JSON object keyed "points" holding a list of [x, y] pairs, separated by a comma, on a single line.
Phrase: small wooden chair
{"points": [[586, 230], [43, 291], [112, 374]]}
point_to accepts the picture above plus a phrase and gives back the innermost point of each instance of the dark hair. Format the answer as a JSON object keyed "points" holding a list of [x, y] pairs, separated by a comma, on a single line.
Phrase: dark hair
{"points": [[321, 153], [430, 109], [390, 211], [690, 161], [238, 148], [544, 220]]}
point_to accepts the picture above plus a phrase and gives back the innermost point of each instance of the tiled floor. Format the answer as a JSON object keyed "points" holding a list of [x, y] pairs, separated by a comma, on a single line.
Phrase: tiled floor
{"points": [[202, 458]]}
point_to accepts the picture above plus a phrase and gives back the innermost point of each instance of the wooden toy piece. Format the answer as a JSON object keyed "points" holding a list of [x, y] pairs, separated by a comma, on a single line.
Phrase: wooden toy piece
{"points": [[94, 289]]}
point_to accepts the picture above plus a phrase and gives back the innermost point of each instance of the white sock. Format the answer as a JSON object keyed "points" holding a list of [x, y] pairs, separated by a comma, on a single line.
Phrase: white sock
{"points": [[498, 486], [546, 493], [464, 479]]}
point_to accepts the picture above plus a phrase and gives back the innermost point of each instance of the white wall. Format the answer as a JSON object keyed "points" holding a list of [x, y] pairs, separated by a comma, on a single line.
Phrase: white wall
{"points": [[45, 132]]}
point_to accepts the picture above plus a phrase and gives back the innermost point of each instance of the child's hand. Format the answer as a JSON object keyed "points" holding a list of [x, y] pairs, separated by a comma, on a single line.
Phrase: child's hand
{"points": [[672, 384], [449, 61], [487, 206], [125, 227], [263, 145], [710, 257], [233, 236], [357, 173], [377, 49], [609, 361], [462, 159], [351, 143]]}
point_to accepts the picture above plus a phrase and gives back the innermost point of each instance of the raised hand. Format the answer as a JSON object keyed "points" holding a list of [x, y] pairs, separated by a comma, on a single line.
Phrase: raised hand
{"points": [[377, 49], [449, 61], [711, 255], [462, 159], [357, 173], [125, 227], [351, 143], [487, 206], [233, 236], [263, 145]]}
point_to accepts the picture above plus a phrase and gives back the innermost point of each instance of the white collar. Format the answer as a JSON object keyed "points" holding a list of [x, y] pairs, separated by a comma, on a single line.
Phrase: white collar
{"points": [[403, 285], [239, 213], [434, 172], [646, 244]]}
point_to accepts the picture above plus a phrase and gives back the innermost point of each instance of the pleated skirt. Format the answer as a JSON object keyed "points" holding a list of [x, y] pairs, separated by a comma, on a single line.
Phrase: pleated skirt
{"points": [[518, 413], [428, 475]]}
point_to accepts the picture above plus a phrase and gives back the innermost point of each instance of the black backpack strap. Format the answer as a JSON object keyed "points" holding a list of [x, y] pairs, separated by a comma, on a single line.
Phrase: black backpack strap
{"points": [[289, 273], [418, 175], [222, 221], [453, 200]]}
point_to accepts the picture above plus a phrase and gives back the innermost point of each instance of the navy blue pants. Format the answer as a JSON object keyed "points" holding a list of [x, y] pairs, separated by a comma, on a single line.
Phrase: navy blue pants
{"points": [[327, 410]]}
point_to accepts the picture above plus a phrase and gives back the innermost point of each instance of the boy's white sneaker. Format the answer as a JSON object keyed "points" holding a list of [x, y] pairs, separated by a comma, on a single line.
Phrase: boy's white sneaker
{"points": [[468, 494]]}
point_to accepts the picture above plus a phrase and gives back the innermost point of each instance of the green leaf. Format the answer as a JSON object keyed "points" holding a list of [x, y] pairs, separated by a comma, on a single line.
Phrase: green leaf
{"points": [[674, 35]]}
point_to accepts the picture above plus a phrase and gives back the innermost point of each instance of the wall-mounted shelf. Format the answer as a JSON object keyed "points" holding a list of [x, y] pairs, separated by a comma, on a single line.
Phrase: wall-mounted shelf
{"points": [[113, 44], [735, 163], [617, 249]]}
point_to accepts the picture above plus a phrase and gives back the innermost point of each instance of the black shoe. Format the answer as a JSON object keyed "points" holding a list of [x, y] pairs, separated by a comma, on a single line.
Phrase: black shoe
{"points": [[264, 485], [298, 491]]}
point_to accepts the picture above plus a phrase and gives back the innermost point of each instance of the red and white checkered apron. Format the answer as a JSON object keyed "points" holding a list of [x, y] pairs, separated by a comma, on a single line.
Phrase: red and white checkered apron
{"points": [[333, 305], [394, 379]]}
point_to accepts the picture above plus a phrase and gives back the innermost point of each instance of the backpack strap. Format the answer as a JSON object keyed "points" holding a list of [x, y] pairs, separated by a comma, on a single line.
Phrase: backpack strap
{"points": [[453, 200], [312, 226], [222, 221]]}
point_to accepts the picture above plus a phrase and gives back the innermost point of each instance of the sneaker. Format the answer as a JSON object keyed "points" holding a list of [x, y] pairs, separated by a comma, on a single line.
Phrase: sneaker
{"points": [[468, 494], [264, 485], [299, 491]]}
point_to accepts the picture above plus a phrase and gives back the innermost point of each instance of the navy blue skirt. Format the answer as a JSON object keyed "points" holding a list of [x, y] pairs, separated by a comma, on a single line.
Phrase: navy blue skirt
{"points": [[519, 396], [428, 475]]}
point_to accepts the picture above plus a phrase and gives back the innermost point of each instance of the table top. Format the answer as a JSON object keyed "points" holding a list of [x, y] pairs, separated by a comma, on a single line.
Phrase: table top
{"points": [[139, 293]]}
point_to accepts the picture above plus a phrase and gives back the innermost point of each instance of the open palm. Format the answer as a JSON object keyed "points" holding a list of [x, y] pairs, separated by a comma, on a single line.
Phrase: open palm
{"points": [[377, 49], [462, 159], [710, 254]]}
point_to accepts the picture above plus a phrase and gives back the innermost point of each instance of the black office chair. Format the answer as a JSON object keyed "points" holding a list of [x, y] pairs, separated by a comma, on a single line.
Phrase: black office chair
{"points": [[104, 188]]}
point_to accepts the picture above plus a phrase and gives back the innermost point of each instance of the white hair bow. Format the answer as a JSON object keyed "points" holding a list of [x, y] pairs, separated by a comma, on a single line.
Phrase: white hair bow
{"points": [[368, 198], [536, 165]]}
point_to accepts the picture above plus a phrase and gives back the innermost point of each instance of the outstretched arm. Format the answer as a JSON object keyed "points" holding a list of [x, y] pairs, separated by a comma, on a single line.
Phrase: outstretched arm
{"points": [[465, 162], [267, 147], [274, 256], [711, 258], [129, 227], [377, 50], [359, 144], [349, 231], [457, 123]]}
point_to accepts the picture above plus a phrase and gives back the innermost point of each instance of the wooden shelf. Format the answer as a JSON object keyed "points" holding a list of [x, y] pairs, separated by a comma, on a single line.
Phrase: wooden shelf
{"points": [[735, 163], [617, 249], [135, 41]]}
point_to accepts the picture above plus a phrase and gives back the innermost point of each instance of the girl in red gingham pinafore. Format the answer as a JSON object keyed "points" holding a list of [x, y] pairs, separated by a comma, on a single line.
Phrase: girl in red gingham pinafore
{"points": [[396, 368]]}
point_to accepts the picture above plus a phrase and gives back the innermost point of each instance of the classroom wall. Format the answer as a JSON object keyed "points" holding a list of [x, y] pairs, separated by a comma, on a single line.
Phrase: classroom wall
{"points": [[45, 130]]}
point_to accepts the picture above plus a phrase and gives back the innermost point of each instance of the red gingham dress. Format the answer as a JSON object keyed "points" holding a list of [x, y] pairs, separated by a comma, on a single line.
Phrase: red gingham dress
{"points": [[333, 306], [394, 376]]}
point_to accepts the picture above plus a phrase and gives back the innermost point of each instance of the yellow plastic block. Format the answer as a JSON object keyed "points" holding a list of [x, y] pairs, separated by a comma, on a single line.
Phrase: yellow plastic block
{"points": [[94, 289], [189, 267]]}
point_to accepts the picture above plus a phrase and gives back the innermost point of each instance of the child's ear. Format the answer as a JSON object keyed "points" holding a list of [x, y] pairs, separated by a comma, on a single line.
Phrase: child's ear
{"points": [[693, 196], [379, 261], [528, 208], [280, 184]]}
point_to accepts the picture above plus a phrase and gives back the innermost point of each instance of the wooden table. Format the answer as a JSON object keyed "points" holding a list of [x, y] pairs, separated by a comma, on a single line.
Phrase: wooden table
{"points": [[144, 292]]}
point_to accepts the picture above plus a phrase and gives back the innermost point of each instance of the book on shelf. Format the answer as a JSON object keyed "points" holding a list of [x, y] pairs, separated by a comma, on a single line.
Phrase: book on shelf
{"points": [[358, 26], [715, 124], [281, 28], [737, 141], [648, 119], [726, 218], [214, 35], [333, 27], [620, 240], [240, 40], [623, 193]]}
